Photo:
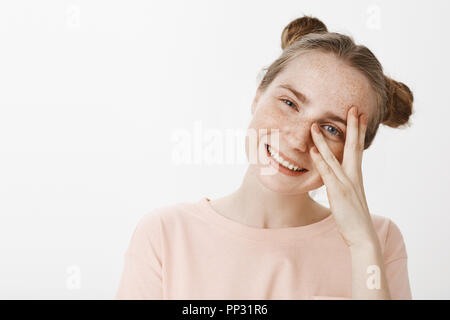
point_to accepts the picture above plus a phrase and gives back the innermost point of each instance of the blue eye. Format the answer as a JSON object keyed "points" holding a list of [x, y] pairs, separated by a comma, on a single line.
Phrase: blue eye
{"points": [[335, 132], [292, 105]]}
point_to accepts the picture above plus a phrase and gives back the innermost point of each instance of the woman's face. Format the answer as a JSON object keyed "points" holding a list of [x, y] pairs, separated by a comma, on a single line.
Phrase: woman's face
{"points": [[327, 88]]}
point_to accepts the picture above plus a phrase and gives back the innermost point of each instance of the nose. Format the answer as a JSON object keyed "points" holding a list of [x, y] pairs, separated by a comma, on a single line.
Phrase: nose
{"points": [[298, 136]]}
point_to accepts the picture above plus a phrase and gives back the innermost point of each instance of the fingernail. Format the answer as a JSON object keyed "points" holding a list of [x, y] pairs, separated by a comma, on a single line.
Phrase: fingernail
{"points": [[364, 119], [355, 111], [316, 128]]}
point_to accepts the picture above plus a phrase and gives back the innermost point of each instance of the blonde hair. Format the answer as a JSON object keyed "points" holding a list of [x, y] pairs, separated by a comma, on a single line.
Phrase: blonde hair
{"points": [[393, 99]]}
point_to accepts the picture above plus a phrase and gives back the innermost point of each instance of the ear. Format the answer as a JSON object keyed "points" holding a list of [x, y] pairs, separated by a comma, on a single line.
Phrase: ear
{"points": [[255, 101]]}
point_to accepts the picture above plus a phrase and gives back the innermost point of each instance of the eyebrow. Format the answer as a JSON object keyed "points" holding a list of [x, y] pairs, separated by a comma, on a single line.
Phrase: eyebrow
{"points": [[300, 96], [335, 117]]}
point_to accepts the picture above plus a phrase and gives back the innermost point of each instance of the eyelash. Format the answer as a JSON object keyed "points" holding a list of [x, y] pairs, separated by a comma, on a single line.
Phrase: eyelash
{"points": [[339, 134]]}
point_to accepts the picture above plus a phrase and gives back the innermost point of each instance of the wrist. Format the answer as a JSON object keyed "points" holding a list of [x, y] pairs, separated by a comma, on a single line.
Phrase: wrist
{"points": [[370, 243], [368, 238]]}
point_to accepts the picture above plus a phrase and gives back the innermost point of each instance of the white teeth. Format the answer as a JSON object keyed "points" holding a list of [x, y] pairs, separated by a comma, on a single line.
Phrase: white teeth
{"points": [[283, 162]]}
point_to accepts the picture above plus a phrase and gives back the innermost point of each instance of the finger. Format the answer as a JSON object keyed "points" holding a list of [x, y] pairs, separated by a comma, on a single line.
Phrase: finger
{"points": [[362, 131], [326, 153], [362, 135], [354, 148], [351, 162], [328, 176]]}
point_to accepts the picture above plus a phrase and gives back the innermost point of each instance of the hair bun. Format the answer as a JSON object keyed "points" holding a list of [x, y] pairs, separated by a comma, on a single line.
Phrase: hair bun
{"points": [[300, 27], [399, 105]]}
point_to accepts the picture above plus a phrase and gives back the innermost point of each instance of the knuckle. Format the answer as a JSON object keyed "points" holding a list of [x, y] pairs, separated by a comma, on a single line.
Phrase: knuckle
{"points": [[346, 191], [359, 146], [330, 157], [354, 145]]}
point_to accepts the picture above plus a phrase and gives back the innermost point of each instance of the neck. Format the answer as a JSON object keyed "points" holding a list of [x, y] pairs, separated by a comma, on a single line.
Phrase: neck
{"points": [[255, 205]]}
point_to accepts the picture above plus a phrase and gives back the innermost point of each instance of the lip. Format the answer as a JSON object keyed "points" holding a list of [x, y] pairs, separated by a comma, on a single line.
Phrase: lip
{"points": [[285, 157], [282, 169]]}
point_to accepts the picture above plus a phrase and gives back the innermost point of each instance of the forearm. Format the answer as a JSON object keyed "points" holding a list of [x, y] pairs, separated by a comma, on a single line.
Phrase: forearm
{"points": [[368, 275]]}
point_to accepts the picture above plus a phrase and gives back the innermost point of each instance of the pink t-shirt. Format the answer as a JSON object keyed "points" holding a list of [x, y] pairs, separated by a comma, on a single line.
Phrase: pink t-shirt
{"points": [[190, 251]]}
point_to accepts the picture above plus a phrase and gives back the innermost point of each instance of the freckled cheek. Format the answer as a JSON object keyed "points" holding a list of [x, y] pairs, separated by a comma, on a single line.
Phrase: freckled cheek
{"points": [[268, 118]]}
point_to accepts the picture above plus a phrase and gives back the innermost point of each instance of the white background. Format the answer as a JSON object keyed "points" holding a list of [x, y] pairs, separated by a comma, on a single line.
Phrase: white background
{"points": [[91, 93]]}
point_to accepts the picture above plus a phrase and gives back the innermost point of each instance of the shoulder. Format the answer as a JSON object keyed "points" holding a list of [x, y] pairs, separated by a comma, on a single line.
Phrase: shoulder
{"points": [[155, 225], [166, 217], [391, 238]]}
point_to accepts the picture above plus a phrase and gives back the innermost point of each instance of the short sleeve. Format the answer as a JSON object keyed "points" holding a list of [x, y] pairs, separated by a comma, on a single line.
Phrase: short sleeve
{"points": [[396, 264], [142, 275]]}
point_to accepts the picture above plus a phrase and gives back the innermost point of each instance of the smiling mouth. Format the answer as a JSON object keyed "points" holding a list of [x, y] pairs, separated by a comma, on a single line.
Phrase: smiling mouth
{"points": [[283, 162]]}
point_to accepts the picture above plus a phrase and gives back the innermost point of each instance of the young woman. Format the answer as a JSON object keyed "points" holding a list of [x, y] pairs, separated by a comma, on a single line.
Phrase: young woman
{"points": [[325, 97]]}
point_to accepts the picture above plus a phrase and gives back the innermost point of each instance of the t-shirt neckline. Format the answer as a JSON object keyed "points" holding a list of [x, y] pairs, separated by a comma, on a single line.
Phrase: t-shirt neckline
{"points": [[265, 234]]}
